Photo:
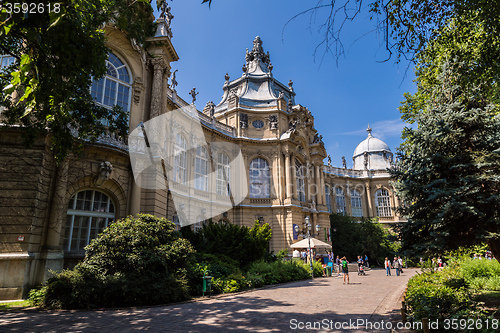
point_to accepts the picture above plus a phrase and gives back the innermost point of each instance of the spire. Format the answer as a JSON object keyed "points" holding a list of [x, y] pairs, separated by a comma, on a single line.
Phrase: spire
{"points": [[369, 130], [257, 61]]}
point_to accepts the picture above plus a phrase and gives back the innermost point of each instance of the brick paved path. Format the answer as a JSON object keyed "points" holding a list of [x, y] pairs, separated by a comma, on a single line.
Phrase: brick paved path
{"points": [[278, 309]]}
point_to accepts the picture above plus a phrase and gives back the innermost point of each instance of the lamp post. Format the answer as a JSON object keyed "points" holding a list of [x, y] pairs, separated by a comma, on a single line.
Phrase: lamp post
{"points": [[308, 227]]}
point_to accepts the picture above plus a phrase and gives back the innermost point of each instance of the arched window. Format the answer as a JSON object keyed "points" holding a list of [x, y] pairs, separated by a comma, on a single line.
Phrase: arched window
{"points": [[259, 178], [328, 198], [201, 169], [383, 203], [89, 212], [340, 200], [180, 159], [299, 175], [356, 205], [114, 88], [223, 175], [177, 223]]}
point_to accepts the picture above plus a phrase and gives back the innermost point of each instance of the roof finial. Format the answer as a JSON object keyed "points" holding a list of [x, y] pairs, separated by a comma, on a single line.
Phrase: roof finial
{"points": [[369, 130]]}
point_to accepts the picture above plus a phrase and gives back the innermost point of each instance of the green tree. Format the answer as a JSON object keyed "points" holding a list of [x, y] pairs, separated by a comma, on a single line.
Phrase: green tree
{"points": [[240, 243], [57, 54], [448, 169], [353, 238]]}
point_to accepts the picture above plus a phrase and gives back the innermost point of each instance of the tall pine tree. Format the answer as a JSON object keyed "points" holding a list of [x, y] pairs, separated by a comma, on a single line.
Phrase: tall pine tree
{"points": [[448, 174]]}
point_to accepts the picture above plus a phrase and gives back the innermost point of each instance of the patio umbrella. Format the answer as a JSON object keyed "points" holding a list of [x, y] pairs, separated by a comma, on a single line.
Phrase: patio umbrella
{"points": [[315, 244]]}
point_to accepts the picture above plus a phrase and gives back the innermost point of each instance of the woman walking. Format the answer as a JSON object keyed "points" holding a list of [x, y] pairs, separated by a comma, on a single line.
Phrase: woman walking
{"points": [[387, 265]]}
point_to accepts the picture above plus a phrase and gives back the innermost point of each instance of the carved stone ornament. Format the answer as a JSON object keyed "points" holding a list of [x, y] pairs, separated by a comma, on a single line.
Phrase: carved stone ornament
{"points": [[243, 121], [273, 122], [209, 109], [105, 170], [137, 87]]}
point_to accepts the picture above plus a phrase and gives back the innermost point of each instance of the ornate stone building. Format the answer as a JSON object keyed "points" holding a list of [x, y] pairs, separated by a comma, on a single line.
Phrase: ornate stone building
{"points": [[48, 213]]}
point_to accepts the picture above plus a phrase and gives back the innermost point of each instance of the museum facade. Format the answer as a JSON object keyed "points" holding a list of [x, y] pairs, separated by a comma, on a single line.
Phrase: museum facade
{"points": [[49, 212]]}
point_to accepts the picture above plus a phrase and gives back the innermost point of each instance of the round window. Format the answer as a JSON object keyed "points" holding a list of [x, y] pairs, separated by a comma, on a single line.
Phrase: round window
{"points": [[258, 123]]}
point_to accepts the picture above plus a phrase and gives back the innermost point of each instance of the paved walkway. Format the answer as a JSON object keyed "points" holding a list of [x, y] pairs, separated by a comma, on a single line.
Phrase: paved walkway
{"points": [[324, 302]]}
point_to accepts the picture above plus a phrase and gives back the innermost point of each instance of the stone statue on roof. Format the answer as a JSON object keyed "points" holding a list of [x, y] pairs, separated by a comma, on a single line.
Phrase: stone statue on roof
{"points": [[344, 163], [193, 94], [329, 160], [174, 81]]}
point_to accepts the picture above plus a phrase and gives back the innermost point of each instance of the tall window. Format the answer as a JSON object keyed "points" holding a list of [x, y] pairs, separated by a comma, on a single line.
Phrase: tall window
{"points": [[114, 88], [383, 203], [223, 174], [89, 212], [340, 200], [6, 60], [299, 172], [180, 159], [356, 205], [328, 199], [259, 178], [201, 169]]}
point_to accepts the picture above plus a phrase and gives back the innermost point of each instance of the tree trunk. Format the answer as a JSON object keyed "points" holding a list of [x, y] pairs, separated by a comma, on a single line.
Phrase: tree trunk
{"points": [[494, 245]]}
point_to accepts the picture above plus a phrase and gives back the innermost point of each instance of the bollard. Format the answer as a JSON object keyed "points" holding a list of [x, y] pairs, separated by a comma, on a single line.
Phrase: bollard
{"points": [[403, 312], [425, 325], [207, 284]]}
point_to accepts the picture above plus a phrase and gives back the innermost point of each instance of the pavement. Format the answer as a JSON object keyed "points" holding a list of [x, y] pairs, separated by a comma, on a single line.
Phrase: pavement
{"points": [[370, 303]]}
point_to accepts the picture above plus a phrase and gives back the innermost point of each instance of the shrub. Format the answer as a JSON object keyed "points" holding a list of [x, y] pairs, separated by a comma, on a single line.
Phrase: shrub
{"points": [[279, 271], [243, 244], [135, 261]]}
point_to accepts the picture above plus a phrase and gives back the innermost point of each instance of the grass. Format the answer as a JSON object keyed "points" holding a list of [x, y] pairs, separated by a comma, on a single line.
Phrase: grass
{"points": [[15, 305]]}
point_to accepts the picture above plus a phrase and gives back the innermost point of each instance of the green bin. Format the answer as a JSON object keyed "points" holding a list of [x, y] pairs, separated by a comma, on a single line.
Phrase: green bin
{"points": [[207, 284]]}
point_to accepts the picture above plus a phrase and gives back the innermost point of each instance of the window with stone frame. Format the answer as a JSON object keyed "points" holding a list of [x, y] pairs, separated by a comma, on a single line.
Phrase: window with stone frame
{"points": [[356, 204], [180, 159], [383, 203], [89, 213], [328, 198], [299, 175], [260, 180], [340, 200], [223, 175], [177, 223], [201, 169], [115, 87]]}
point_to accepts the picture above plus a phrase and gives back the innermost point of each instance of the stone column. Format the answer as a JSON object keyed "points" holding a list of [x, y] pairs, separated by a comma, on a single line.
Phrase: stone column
{"points": [[369, 208], [321, 188], [288, 181], [159, 66], [294, 177], [322, 182]]}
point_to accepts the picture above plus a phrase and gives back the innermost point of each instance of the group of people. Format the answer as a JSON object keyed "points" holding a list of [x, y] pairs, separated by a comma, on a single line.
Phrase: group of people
{"points": [[397, 264]]}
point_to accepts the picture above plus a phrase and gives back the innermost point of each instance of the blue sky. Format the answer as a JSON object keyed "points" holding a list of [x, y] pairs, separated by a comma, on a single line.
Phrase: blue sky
{"points": [[343, 97]]}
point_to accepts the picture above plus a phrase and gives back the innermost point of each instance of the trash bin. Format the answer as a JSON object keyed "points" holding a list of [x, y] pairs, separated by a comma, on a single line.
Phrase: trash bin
{"points": [[207, 284]]}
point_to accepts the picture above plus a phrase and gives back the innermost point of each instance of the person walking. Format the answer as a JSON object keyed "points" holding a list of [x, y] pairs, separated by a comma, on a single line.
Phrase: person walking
{"points": [[303, 254], [337, 262], [345, 269], [395, 264], [387, 266], [366, 261], [400, 264]]}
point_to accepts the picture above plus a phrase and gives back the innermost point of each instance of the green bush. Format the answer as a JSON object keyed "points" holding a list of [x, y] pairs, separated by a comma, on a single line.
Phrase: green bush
{"points": [[279, 271], [135, 261], [447, 293], [245, 245]]}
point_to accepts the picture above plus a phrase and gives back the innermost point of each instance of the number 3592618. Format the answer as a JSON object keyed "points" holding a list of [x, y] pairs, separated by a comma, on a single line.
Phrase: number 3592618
{"points": [[30, 8]]}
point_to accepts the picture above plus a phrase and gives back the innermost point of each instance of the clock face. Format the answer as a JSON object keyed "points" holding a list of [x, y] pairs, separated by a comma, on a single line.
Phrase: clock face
{"points": [[258, 123]]}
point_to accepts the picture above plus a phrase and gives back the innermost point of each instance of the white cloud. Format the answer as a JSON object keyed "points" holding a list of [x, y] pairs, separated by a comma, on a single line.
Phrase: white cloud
{"points": [[382, 129]]}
